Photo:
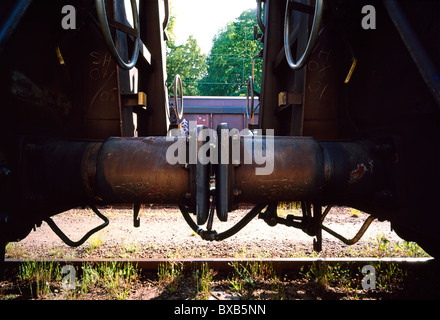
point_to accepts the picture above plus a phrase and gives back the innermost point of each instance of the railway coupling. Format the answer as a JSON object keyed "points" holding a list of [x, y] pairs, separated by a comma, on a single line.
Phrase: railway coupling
{"points": [[204, 172]]}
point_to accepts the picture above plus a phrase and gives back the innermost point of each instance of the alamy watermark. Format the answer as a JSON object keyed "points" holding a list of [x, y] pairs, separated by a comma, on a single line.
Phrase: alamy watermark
{"points": [[69, 280], [369, 280], [206, 146], [369, 20], [69, 20]]}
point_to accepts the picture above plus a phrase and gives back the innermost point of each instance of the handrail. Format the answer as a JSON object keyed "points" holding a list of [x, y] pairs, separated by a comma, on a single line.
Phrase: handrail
{"points": [[105, 29], [178, 85], [317, 19], [260, 23]]}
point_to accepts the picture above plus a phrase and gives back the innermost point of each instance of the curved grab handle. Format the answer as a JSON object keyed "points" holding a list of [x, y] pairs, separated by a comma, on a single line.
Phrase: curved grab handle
{"points": [[105, 29], [317, 19], [178, 85], [260, 23]]}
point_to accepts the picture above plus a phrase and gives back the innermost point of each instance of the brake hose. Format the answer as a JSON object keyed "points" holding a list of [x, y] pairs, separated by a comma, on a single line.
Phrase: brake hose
{"points": [[212, 235]]}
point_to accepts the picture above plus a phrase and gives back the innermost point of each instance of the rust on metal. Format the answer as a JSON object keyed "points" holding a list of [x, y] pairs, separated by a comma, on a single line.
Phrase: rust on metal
{"points": [[358, 173]]}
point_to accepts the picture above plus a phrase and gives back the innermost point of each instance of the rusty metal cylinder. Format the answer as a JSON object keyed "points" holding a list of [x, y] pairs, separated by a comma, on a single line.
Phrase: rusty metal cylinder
{"points": [[135, 170], [303, 169], [267, 169], [293, 170]]}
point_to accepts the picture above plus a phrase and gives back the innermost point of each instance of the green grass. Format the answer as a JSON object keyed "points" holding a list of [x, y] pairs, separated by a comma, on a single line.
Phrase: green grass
{"points": [[382, 247], [388, 277], [246, 278], [95, 243], [203, 278], [44, 280], [115, 278], [15, 250], [326, 275], [170, 274], [354, 212], [39, 277], [250, 280]]}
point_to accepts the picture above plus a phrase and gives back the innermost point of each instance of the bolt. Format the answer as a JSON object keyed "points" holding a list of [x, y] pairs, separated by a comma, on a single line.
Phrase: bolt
{"points": [[187, 195], [236, 192]]}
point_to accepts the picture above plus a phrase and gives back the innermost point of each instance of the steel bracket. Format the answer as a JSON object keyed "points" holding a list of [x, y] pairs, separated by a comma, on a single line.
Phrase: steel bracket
{"points": [[311, 223]]}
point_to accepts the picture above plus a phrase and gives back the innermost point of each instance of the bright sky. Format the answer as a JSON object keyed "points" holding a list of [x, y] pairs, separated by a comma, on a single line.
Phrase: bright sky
{"points": [[204, 18]]}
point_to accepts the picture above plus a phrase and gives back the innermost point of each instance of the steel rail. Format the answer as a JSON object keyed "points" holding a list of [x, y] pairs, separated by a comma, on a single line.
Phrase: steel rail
{"points": [[227, 264]]}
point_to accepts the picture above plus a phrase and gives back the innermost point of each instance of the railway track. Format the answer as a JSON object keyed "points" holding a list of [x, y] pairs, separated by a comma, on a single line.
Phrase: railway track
{"points": [[226, 279], [227, 264]]}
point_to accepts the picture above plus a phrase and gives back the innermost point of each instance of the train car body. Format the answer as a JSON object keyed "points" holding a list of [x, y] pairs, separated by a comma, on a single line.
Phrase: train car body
{"points": [[348, 116], [212, 111]]}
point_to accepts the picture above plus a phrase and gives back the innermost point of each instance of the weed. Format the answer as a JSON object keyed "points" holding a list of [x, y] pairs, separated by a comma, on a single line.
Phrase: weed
{"points": [[89, 279], [246, 277], [113, 277], [15, 250], [170, 275], [95, 243], [326, 275], [285, 208], [354, 212], [236, 283], [129, 249], [389, 275], [411, 249], [203, 279], [383, 245], [39, 275]]}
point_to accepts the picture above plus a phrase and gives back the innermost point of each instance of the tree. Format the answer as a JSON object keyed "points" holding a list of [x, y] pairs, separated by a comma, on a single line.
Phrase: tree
{"points": [[185, 60], [230, 60]]}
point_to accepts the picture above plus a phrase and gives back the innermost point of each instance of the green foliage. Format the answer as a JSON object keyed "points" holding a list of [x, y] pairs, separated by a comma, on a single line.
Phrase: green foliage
{"points": [[226, 70], [185, 60], [384, 248], [247, 277], [230, 59], [95, 243], [39, 275], [327, 275], [203, 278], [389, 275], [170, 274], [113, 277]]}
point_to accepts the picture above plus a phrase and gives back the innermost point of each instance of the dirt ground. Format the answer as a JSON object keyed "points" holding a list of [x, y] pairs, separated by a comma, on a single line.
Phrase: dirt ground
{"points": [[163, 233]]}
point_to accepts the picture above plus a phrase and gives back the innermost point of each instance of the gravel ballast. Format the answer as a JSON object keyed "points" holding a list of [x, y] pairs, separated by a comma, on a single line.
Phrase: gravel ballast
{"points": [[163, 233]]}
